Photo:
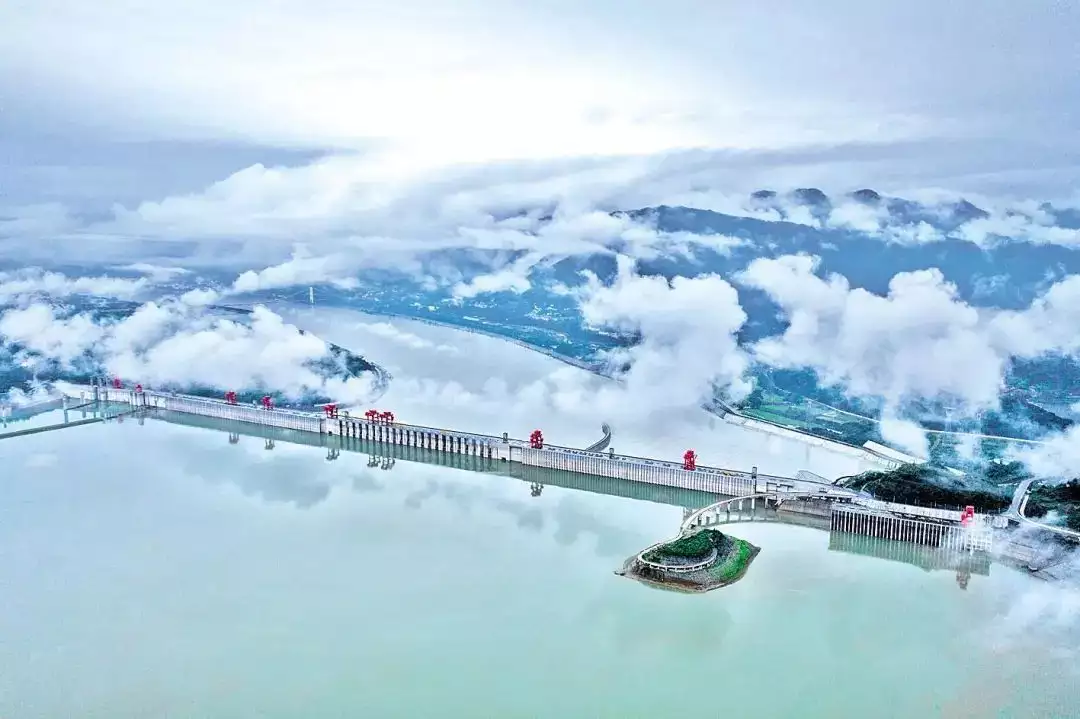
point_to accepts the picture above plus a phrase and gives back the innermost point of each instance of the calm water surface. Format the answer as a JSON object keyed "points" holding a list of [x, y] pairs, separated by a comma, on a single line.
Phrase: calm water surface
{"points": [[159, 571]]}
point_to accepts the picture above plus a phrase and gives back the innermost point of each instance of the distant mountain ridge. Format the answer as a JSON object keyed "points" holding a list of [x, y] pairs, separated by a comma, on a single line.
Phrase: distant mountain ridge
{"points": [[946, 216], [1007, 271]]}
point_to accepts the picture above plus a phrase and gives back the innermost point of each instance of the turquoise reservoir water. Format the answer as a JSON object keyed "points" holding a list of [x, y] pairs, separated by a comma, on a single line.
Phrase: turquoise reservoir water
{"points": [[161, 571]]}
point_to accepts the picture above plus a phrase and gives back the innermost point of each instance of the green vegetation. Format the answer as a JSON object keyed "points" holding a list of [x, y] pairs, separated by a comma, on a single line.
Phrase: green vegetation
{"points": [[776, 418], [927, 486], [798, 412], [796, 398], [930, 486], [691, 546], [1005, 473], [1063, 498], [734, 563]]}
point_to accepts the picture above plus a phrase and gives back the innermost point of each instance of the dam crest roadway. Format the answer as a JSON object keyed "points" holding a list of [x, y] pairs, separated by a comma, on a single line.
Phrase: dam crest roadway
{"points": [[715, 495]]}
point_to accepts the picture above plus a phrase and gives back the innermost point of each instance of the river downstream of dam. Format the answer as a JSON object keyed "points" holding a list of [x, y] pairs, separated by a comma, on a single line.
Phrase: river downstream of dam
{"points": [[151, 570]]}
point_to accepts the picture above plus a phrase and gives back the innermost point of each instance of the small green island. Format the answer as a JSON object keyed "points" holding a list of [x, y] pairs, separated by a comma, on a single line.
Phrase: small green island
{"points": [[694, 562]]}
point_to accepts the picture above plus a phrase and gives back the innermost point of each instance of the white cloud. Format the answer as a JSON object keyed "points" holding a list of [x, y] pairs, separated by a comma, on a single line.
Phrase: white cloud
{"points": [[1056, 458], [687, 330], [1037, 230], [903, 346], [302, 269], [387, 210], [37, 328], [168, 344], [919, 233], [200, 297], [1051, 323], [14, 285], [155, 273], [859, 216], [512, 278], [905, 435], [918, 341], [493, 386]]}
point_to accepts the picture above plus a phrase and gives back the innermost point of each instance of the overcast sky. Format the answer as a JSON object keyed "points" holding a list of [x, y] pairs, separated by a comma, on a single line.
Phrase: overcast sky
{"points": [[985, 92]]}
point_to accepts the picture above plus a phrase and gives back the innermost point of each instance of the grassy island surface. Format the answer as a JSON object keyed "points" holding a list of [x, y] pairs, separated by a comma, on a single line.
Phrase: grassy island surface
{"points": [[696, 562]]}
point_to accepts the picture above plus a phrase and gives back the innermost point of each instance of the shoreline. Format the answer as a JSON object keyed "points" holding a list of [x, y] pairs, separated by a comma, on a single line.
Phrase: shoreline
{"points": [[725, 412], [707, 583]]}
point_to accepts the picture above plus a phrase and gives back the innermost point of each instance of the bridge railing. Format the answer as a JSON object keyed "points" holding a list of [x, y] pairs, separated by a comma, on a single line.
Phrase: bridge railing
{"points": [[148, 398], [694, 518], [151, 395], [677, 568], [663, 463], [125, 395]]}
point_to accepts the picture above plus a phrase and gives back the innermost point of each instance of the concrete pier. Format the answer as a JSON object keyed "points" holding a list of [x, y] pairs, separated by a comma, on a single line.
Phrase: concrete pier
{"points": [[404, 435]]}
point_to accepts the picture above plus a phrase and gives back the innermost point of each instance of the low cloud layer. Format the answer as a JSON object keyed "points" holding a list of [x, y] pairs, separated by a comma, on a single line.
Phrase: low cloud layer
{"points": [[920, 341], [383, 211], [683, 351], [54, 284], [1058, 457], [169, 344]]}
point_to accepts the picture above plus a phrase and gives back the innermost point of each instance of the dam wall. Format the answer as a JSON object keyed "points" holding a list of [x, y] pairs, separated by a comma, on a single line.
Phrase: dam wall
{"points": [[595, 463], [852, 519]]}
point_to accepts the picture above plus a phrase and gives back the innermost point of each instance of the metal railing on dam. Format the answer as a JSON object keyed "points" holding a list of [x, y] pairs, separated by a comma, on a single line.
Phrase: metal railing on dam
{"points": [[712, 480], [483, 452], [386, 455]]}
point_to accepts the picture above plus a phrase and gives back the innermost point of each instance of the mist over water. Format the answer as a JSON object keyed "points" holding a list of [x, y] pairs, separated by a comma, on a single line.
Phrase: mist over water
{"points": [[182, 575]]}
